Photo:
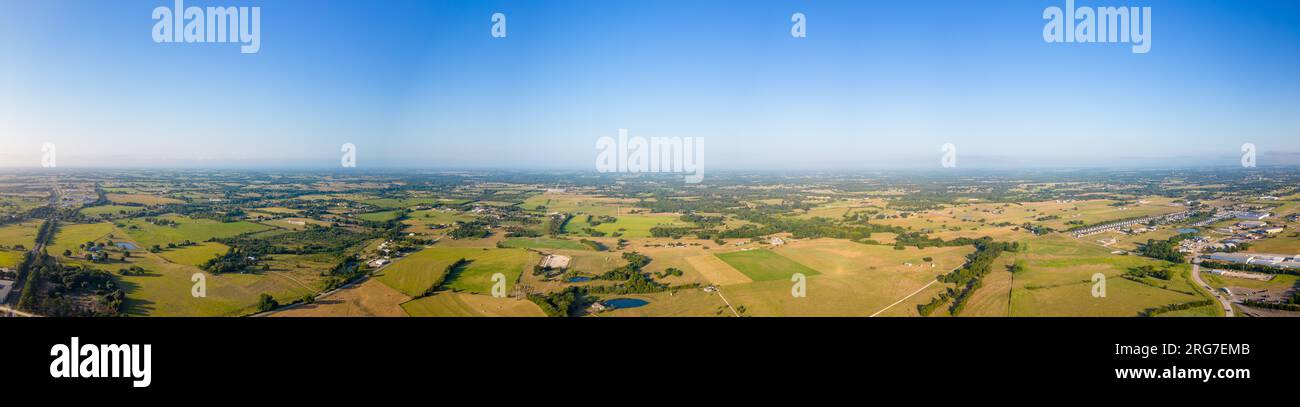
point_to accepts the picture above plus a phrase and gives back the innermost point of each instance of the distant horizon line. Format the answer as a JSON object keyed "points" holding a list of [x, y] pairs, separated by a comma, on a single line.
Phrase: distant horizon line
{"points": [[313, 168]]}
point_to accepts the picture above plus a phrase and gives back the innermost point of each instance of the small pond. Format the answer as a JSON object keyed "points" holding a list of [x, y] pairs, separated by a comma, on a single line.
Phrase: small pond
{"points": [[625, 303]]}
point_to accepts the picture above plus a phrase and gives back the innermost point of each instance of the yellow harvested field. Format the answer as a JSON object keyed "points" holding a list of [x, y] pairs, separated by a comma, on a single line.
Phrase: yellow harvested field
{"points": [[717, 271], [368, 299], [450, 304]]}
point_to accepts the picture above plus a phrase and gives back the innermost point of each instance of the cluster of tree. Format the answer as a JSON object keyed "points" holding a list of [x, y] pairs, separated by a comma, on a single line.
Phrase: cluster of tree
{"points": [[1165, 249], [1258, 268], [233, 261], [1017, 267], [928, 308], [598, 220], [470, 230], [594, 245], [54, 290], [631, 278], [1149, 271], [1151, 312], [555, 225], [346, 271], [675, 232], [703, 221], [635, 261], [448, 273], [568, 302], [1272, 305], [671, 271], [519, 231], [978, 264], [162, 222], [1038, 230], [313, 240], [132, 271], [266, 303], [817, 227], [46, 231]]}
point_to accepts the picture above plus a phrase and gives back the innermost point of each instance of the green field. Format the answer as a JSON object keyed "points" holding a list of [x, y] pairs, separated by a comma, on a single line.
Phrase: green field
{"points": [[543, 243], [194, 230], [11, 258], [765, 265], [143, 199], [165, 288], [1058, 281], [416, 273], [409, 202], [380, 216], [629, 226], [109, 210], [23, 234], [194, 255], [437, 217], [70, 236]]}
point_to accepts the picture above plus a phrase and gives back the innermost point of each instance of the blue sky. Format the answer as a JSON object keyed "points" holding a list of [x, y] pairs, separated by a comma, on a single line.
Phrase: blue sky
{"points": [[422, 83]]}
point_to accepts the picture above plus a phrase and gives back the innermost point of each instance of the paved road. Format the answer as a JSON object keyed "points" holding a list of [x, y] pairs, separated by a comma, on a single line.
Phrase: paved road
{"points": [[1196, 275]]}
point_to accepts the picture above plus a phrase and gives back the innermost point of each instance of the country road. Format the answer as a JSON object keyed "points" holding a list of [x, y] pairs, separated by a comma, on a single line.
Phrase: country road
{"points": [[6, 311], [1196, 276]]}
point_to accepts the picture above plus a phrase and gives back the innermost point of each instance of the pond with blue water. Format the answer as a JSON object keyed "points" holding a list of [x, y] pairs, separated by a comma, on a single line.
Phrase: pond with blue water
{"points": [[625, 303]]}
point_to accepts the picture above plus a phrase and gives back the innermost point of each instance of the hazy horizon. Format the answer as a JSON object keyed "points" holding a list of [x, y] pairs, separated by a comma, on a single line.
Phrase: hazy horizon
{"points": [[873, 85]]}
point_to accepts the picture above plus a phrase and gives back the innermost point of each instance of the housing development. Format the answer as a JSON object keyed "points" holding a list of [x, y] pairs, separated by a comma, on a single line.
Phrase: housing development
{"points": [[1193, 242]]}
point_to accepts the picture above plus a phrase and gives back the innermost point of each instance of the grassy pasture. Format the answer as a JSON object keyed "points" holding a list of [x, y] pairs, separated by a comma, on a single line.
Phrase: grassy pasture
{"points": [[194, 230], [1058, 281], [379, 216], [143, 199], [194, 255], [451, 304], [436, 217], [574, 203], [855, 280], [368, 299], [70, 236], [165, 288], [109, 210], [628, 226], [293, 224], [765, 265], [23, 234], [416, 273], [543, 243], [11, 258], [398, 203]]}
